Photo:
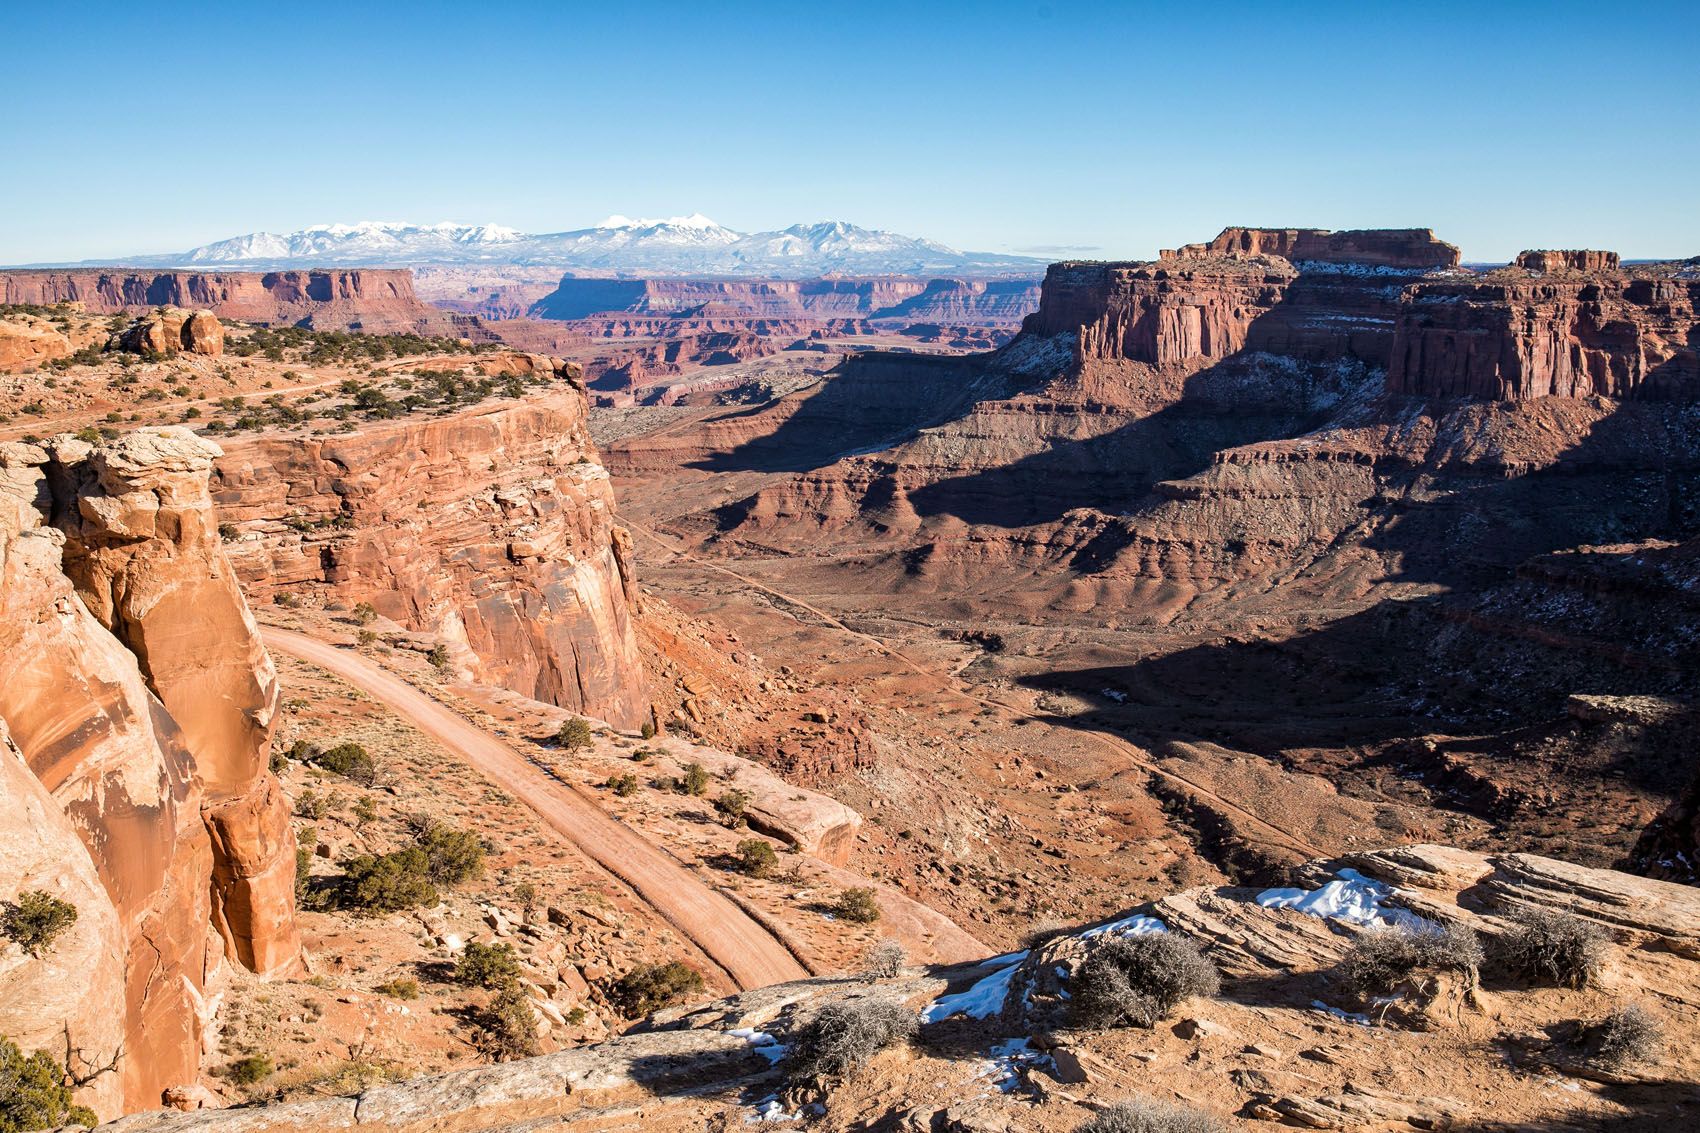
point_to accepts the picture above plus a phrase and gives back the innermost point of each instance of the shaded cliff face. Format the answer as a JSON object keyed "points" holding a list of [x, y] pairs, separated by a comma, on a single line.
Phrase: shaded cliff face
{"points": [[101, 625], [493, 529], [375, 300]]}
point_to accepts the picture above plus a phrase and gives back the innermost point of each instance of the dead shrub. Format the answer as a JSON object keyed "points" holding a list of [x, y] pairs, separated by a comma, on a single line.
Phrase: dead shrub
{"points": [[1383, 958], [884, 961], [1631, 1035], [1138, 980], [1546, 946], [847, 1033], [1142, 1115]]}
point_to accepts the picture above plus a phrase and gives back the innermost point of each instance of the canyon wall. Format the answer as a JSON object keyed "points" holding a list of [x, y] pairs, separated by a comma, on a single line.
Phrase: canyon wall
{"points": [[374, 300], [1405, 248], [117, 614], [1506, 337], [493, 529]]}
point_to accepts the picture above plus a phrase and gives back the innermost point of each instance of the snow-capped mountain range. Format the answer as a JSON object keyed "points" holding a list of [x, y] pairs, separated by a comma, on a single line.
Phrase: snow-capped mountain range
{"points": [[680, 245]]}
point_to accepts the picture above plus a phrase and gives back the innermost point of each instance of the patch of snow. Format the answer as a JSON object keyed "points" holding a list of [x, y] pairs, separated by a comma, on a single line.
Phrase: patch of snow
{"points": [[1345, 1016], [770, 1109], [981, 1001], [1350, 897], [1137, 925], [762, 1043], [1005, 1060]]}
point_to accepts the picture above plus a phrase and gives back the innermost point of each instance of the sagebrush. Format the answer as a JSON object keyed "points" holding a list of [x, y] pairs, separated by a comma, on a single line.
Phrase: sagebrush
{"points": [[846, 1033]]}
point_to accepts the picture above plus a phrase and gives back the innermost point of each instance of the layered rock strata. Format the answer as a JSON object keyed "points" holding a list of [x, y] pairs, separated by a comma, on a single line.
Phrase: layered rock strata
{"points": [[493, 529], [115, 609], [378, 301]]}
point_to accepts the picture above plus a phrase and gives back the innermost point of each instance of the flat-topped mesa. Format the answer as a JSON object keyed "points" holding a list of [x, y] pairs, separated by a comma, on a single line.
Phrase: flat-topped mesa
{"points": [[1570, 259], [1415, 249]]}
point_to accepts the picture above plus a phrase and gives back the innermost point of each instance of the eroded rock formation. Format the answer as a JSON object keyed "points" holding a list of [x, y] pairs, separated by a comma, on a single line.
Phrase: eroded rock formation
{"points": [[116, 609], [378, 301], [170, 330], [493, 528]]}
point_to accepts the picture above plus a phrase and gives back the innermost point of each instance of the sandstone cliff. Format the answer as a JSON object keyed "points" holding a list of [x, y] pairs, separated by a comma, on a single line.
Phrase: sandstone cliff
{"points": [[493, 528], [115, 608], [378, 301]]}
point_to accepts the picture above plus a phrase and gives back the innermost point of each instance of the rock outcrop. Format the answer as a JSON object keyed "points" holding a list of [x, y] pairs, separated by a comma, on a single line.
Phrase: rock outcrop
{"points": [[29, 341], [378, 301], [113, 601], [172, 330], [1548, 260], [493, 528], [1409, 248]]}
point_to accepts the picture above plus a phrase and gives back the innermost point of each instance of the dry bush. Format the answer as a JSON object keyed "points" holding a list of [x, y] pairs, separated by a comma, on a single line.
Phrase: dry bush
{"points": [[858, 904], [847, 1033], [1140, 979], [884, 961], [1141, 1115], [1551, 947], [1629, 1036], [1382, 958]]}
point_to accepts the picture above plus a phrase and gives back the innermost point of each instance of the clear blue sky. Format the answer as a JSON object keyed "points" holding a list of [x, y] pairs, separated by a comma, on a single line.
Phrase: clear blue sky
{"points": [[1056, 128]]}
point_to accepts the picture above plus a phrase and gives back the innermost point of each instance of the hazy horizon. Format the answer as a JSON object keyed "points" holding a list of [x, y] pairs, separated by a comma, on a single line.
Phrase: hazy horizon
{"points": [[1050, 130]]}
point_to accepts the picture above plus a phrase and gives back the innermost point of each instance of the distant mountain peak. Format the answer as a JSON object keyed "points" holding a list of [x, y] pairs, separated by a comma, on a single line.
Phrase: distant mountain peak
{"points": [[692, 245]]}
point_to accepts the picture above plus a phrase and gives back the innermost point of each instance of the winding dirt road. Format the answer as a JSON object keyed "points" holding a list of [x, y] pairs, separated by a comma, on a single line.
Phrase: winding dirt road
{"points": [[746, 951]]}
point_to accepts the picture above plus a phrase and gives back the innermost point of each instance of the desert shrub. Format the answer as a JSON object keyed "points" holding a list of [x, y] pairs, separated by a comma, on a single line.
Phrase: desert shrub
{"points": [[648, 988], [451, 856], [648, 730], [279, 763], [439, 656], [304, 843], [402, 987], [1140, 979], [847, 1033], [1546, 946], [490, 966], [623, 785], [884, 961], [731, 806], [694, 780], [857, 904], [312, 805], [525, 893], [365, 809], [365, 613], [756, 858], [509, 1028], [388, 883], [365, 637], [33, 1093], [1141, 1115], [575, 734], [351, 761], [36, 919], [1629, 1036], [247, 1071], [1381, 958]]}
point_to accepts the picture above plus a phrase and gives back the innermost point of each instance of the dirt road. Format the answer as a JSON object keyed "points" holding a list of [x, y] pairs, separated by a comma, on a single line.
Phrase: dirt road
{"points": [[747, 952]]}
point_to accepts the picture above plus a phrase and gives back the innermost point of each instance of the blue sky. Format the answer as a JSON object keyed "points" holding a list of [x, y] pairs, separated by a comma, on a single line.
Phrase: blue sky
{"points": [[1056, 128]]}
